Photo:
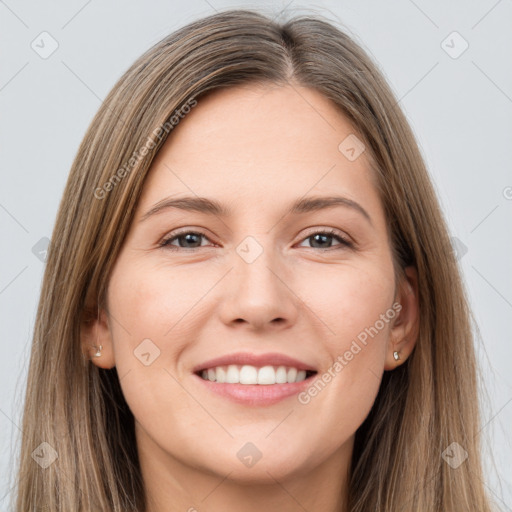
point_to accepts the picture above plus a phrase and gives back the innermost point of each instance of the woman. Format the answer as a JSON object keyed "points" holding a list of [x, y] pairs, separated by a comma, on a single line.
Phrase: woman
{"points": [[311, 348]]}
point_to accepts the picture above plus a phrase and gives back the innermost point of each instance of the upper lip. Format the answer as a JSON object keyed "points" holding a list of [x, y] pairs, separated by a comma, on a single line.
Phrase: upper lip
{"points": [[241, 358]]}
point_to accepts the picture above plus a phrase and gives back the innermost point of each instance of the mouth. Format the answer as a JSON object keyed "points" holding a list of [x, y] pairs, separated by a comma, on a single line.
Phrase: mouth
{"points": [[252, 379], [254, 375]]}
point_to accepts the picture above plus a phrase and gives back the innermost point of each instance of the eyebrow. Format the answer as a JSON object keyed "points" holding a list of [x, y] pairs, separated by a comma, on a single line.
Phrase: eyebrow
{"points": [[213, 207]]}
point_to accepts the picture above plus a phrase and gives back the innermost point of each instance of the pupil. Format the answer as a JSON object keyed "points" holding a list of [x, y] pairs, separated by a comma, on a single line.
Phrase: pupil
{"points": [[322, 237], [189, 237]]}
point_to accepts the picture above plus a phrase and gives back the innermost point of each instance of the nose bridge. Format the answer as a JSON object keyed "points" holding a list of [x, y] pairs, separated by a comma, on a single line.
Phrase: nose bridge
{"points": [[255, 258], [258, 293]]}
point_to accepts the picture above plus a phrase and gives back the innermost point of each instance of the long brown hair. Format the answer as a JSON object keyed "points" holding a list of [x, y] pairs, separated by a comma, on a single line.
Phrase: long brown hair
{"points": [[422, 407]]}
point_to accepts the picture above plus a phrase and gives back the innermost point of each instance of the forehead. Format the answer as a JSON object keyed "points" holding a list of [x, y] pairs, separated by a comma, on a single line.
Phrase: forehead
{"points": [[257, 145]]}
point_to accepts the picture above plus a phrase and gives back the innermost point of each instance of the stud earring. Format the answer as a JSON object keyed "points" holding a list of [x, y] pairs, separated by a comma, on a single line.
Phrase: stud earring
{"points": [[98, 349], [396, 355]]}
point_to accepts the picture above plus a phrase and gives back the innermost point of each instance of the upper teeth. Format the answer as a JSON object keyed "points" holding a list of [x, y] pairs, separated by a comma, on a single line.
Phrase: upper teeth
{"points": [[246, 374]]}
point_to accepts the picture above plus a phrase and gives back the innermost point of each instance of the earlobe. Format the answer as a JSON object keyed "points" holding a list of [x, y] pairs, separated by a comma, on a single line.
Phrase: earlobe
{"points": [[404, 333], [98, 351], [398, 353], [96, 341]]}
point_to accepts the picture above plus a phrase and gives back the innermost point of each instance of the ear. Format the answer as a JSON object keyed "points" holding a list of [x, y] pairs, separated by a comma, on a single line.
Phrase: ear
{"points": [[95, 332], [405, 329]]}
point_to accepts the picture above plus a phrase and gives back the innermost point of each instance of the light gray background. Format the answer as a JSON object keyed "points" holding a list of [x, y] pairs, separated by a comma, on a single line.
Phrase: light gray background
{"points": [[460, 109]]}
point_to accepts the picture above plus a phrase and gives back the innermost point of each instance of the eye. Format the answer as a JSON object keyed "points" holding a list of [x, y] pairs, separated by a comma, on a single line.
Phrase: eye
{"points": [[192, 240], [321, 238], [185, 239]]}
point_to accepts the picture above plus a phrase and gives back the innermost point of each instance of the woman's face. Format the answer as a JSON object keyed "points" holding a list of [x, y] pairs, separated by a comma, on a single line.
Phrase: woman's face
{"points": [[255, 284]]}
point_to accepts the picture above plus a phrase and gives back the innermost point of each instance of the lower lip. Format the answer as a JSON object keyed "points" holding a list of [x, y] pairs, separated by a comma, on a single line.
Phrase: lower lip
{"points": [[256, 394]]}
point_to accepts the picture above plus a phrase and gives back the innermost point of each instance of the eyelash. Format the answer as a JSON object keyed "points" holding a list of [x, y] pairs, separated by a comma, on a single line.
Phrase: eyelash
{"points": [[344, 242]]}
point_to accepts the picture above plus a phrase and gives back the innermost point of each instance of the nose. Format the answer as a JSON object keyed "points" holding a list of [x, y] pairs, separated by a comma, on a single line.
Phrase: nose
{"points": [[259, 294]]}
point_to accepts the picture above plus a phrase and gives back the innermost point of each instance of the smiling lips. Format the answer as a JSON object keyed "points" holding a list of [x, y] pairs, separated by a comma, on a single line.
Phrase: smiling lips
{"points": [[254, 379], [246, 368]]}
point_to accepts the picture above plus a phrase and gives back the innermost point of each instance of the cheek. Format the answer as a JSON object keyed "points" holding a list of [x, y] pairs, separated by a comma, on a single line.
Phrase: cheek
{"points": [[355, 303], [149, 314], [351, 301], [152, 320], [152, 304]]}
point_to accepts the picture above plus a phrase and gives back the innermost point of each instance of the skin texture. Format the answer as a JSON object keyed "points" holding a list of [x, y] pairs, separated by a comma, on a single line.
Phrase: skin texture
{"points": [[255, 150]]}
